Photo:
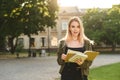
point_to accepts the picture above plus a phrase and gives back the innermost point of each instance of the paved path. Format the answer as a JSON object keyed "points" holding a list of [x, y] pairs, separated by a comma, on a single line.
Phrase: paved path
{"points": [[42, 68], [105, 59]]}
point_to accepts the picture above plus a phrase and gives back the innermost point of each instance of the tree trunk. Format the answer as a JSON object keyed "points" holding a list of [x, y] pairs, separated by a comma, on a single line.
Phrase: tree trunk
{"points": [[29, 50], [2, 43], [113, 47], [11, 44]]}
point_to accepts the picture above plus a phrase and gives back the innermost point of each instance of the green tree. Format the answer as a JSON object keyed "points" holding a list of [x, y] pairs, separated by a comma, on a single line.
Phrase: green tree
{"points": [[26, 16], [112, 26], [37, 15], [103, 25], [93, 22], [10, 20]]}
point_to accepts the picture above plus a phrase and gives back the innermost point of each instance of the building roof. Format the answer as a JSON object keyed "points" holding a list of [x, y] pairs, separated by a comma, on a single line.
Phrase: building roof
{"points": [[69, 11]]}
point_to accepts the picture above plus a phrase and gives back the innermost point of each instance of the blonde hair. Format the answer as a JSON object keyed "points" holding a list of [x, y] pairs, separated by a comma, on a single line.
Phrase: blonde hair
{"points": [[81, 36]]}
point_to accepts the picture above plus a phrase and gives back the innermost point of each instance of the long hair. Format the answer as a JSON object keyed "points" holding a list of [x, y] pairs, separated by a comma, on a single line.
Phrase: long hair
{"points": [[81, 36]]}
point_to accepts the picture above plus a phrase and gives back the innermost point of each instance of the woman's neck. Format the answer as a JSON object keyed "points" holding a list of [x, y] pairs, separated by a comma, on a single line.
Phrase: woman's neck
{"points": [[74, 38], [74, 43]]}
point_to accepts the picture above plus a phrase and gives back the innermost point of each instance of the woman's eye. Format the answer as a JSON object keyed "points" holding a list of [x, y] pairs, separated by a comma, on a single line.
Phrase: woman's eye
{"points": [[78, 26], [73, 26]]}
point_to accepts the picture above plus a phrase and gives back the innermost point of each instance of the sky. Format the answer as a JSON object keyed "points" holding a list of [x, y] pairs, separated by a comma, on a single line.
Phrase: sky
{"points": [[88, 3]]}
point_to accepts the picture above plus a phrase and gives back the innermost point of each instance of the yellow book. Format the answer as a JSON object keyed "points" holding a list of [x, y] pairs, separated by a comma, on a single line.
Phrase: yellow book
{"points": [[72, 56], [91, 55]]}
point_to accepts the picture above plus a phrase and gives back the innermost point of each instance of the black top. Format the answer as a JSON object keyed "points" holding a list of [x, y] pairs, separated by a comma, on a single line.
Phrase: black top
{"points": [[80, 49]]}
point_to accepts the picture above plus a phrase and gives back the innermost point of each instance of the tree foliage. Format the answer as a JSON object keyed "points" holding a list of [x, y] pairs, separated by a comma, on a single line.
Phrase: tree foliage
{"points": [[93, 22], [26, 16], [112, 26], [103, 25], [10, 20]]}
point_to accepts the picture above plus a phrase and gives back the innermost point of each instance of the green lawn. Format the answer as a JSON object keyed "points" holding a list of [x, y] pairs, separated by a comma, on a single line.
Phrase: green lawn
{"points": [[108, 72]]}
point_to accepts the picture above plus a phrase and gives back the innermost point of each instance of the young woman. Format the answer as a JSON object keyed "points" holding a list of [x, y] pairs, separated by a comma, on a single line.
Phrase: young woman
{"points": [[75, 39]]}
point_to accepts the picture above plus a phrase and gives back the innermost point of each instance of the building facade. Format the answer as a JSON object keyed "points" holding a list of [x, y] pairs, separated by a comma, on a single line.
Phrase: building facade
{"points": [[51, 36]]}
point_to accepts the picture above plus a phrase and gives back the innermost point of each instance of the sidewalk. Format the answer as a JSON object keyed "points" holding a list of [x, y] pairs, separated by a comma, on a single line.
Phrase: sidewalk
{"points": [[42, 68], [105, 59]]}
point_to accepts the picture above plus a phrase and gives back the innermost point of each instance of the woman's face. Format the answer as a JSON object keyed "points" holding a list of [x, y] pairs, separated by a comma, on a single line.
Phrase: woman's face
{"points": [[75, 28]]}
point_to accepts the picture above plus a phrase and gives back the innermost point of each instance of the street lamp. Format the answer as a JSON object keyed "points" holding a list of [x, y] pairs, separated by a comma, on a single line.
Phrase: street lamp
{"points": [[48, 43]]}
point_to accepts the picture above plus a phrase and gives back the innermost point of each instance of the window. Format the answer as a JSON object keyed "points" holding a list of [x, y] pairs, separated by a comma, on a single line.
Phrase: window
{"points": [[64, 25], [43, 41], [20, 41], [32, 42], [54, 41]]}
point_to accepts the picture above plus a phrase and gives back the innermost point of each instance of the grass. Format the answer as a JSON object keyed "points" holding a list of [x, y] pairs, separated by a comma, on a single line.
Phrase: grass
{"points": [[107, 72]]}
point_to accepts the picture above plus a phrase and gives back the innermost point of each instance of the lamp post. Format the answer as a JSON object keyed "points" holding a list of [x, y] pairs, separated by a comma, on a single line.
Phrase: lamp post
{"points": [[48, 42]]}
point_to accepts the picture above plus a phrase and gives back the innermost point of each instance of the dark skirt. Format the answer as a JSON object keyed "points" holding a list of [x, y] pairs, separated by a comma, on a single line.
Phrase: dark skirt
{"points": [[71, 71]]}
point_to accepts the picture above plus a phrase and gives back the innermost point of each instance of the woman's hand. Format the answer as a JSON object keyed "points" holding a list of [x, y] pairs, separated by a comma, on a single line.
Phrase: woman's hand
{"points": [[63, 56], [79, 61]]}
